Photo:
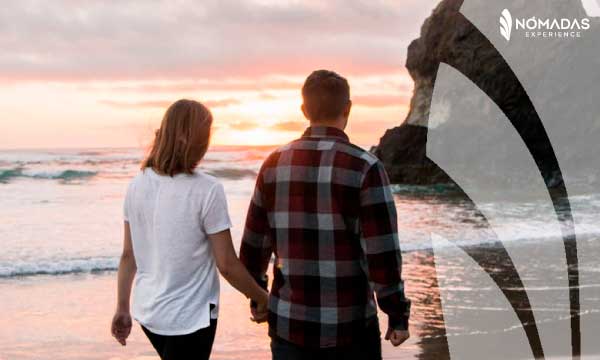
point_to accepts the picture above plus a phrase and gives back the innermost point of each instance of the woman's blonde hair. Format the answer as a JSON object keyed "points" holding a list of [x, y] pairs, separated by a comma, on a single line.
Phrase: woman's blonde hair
{"points": [[182, 140]]}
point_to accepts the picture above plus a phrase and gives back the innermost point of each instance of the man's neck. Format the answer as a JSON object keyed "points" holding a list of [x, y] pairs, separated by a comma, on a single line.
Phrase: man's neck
{"points": [[338, 124]]}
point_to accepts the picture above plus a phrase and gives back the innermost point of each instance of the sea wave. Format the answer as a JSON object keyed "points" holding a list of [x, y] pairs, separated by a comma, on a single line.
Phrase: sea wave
{"points": [[98, 264], [232, 173], [120, 156], [63, 174], [7, 174], [59, 267], [435, 189]]}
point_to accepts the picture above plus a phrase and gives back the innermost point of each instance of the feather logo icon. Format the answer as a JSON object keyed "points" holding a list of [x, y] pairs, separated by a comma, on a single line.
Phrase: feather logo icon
{"points": [[506, 24]]}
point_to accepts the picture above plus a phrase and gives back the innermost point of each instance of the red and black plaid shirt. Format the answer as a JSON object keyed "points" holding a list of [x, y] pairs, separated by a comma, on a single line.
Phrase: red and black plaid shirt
{"points": [[324, 208]]}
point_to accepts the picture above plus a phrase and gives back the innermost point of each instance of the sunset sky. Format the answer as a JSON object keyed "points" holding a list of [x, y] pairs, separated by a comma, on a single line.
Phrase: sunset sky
{"points": [[100, 74]]}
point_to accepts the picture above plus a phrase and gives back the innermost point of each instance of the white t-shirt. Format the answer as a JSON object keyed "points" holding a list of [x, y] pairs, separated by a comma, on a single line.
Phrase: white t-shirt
{"points": [[176, 279]]}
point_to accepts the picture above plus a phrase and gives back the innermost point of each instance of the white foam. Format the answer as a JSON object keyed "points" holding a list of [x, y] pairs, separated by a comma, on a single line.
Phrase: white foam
{"points": [[58, 267]]}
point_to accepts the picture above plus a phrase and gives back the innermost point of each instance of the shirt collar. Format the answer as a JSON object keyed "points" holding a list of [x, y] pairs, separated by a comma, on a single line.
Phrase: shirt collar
{"points": [[325, 132]]}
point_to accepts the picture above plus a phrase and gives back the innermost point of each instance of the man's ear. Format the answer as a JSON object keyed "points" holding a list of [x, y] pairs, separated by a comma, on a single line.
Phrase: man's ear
{"points": [[303, 108], [347, 109]]}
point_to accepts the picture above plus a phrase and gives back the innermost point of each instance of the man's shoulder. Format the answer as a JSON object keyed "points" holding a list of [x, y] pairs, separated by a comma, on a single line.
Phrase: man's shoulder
{"points": [[357, 152], [342, 148], [271, 159], [326, 144]]}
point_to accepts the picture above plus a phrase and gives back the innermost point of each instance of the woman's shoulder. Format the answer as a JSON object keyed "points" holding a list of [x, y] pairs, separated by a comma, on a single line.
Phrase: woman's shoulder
{"points": [[139, 176], [135, 178], [204, 178], [206, 186], [134, 183]]}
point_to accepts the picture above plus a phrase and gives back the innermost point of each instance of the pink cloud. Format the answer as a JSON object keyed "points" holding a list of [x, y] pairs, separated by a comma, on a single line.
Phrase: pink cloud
{"points": [[243, 125], [290, 126], [240, 84], [165, 103], [381, 100], [136, 40]]}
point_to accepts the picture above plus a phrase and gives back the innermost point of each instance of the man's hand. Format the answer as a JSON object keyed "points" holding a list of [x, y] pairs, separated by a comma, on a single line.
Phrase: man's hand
{"points": [[397, 337], [121, 326], [260, 313]]}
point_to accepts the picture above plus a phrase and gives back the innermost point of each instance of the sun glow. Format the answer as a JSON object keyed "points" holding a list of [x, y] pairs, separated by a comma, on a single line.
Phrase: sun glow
{"points": [[124, 114], [257, 136]]}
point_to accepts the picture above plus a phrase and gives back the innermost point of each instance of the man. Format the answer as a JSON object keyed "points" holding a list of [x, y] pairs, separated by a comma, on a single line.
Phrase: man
{"points": [[324, 208]]}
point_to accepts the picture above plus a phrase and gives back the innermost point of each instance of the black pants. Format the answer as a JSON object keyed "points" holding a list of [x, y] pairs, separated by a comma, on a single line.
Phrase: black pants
{"points": [[194, 346], [366, 348]]}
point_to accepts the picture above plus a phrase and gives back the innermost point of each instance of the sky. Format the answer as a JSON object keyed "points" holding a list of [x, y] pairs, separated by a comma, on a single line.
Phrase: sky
{"points": [[91, 73]]}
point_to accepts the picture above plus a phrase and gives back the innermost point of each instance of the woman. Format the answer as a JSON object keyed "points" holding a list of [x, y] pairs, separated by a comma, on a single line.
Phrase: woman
{"points": [[177, 226]]}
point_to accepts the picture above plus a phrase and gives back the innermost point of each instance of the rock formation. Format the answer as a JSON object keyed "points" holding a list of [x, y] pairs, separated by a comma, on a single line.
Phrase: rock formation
{"points": [[447, 36]]}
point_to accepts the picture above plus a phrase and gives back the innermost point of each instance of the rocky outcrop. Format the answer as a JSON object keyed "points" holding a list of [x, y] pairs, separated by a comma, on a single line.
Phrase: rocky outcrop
{"points": [[448, 37], [406, 161], [403, 149]]}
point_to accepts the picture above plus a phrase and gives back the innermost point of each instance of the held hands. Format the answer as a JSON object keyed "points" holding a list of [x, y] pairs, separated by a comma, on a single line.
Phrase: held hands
{"points": [[121, 326], [397, 337], [260, 310], [259, 313]]}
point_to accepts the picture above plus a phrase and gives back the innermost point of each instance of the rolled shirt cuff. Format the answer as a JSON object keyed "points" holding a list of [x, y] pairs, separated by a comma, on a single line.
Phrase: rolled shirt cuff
{"points": [[398, 323]]}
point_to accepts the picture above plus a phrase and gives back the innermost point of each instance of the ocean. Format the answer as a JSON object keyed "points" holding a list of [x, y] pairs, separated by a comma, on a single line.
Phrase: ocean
{"points": [[62, 210], [61, 237]]}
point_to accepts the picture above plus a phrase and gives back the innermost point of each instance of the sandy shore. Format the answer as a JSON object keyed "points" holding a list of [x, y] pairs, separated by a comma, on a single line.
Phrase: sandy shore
{"points": [[67, 317]]}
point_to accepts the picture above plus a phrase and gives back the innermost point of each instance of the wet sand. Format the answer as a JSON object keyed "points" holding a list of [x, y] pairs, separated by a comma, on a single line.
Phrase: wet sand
{"points": [[68, 317]]}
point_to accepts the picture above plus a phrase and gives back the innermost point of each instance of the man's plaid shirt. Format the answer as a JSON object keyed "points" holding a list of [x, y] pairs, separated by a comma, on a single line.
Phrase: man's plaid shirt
{"points": [[324, 208]]}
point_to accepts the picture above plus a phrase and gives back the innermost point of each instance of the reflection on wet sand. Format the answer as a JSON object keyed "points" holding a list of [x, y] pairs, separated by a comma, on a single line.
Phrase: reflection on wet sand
{"points": [[458, 220], [427, 317]]}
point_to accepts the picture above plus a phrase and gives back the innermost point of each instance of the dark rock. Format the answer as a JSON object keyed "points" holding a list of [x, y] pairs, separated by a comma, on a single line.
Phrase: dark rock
{"points": [[448, 37], [410, 164], [403, 149]]}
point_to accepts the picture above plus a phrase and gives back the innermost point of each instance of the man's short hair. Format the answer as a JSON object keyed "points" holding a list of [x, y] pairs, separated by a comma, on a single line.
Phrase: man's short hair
{"points": [[326, 95]]}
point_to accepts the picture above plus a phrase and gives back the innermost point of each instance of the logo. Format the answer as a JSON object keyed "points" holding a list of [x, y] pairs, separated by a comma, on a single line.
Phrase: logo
{"points": [[534, 27], [506, 24]]}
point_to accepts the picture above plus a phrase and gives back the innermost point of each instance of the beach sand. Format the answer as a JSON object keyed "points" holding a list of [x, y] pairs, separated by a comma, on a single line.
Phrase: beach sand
{"points": [[68, 317]]}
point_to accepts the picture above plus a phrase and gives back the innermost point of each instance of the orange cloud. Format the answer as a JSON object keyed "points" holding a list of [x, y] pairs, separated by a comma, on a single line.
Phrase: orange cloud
{"points": [[289, 126], [242, 84], [243, 125], [165, 103], [285, 126], [381, 100]]}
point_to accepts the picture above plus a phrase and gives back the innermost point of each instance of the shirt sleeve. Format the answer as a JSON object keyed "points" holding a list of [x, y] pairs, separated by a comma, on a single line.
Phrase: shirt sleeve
{"points": [[380, 245], [256, 248], [126, 204], [216, 215]]}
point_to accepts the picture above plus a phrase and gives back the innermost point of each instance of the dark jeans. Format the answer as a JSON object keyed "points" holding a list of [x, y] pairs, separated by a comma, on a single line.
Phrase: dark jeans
{"points": [[194, 346], [365, 348]]}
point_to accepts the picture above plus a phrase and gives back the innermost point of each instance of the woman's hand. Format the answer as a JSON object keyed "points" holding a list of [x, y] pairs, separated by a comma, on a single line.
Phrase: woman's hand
{"points": [[260, 312], [121, 323], [121, 326]]}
